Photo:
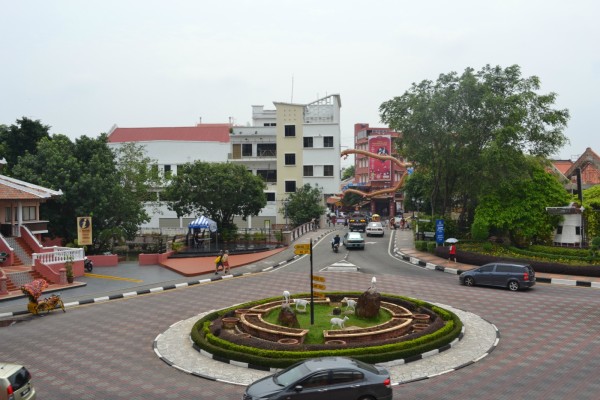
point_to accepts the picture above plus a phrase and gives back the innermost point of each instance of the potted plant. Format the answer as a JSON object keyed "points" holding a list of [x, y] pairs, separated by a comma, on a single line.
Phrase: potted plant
{"points": [[69, 268]]}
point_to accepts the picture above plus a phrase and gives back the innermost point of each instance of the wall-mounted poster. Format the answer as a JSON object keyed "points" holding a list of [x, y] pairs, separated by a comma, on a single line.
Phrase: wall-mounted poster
{"points": [[380, 170]]}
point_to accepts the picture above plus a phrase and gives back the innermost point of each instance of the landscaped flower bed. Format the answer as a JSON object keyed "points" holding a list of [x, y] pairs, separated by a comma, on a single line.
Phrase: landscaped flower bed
{"points": [[230, 345]]}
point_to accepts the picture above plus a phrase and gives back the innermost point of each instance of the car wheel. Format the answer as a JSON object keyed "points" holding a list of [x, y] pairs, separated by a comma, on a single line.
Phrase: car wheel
{"points": [[513, 286], [469, 281]]}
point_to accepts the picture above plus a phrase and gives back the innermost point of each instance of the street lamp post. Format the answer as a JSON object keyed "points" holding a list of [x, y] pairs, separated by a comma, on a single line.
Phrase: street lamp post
{"points": [[418, 203]]}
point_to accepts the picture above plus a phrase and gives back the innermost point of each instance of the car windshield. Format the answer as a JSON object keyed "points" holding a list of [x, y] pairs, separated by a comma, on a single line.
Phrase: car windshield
{"points": [[291, 375]]}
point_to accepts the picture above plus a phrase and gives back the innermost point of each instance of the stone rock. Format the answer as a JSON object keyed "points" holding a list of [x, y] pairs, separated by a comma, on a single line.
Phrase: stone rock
{"points": [[288, 318], [368, 304]]}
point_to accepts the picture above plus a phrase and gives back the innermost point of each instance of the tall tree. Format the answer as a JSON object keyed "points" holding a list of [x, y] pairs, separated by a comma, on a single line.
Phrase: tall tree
{"points": [[216, 190], [305, 204], [469, 132], [517, 209], [21, 138], [86, 173], [137, 171]]}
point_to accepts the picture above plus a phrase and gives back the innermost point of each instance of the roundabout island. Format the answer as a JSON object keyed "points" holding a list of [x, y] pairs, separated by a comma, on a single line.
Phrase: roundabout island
{"points": [[415, 340]]}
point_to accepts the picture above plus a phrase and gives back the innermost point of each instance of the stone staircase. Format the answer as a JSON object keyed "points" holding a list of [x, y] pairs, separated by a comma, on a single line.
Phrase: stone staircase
{"points": [[22, 251], [17, 279], [22, 262]]}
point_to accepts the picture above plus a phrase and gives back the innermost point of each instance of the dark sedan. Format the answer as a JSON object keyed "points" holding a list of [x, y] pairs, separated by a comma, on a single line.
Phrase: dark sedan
{"points": [[324, 378]]}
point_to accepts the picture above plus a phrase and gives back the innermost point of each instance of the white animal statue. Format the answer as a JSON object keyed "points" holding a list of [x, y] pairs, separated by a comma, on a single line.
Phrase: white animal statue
{"points": [[373, 283], [349, 303], [286, 298], [301, 303], [339, 322]]}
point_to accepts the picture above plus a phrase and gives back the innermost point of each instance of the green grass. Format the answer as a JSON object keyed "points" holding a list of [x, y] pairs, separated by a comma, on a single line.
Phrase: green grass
{"points": [[322, 321]]}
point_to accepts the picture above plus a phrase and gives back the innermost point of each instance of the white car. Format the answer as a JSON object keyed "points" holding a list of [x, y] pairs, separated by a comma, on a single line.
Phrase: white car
{"points": [[374, 228]]}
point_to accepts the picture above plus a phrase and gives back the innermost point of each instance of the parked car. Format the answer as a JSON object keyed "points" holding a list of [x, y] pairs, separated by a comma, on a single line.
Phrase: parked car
{"points": [[374, 228], [509, 275], [353, 240], [324, 378], [15, 382]]}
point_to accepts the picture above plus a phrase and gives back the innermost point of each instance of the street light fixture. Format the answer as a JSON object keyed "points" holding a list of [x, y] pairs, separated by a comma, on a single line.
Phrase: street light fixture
{"points": [[418, 203]]}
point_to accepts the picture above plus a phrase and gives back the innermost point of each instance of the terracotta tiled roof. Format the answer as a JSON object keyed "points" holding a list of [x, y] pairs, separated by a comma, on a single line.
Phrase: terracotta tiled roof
{"points": [[198, 133], [562, 165], [14, 189]]}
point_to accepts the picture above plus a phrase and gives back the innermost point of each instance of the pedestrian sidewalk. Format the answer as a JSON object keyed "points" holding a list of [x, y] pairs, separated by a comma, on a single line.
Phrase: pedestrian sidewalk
{"points": [[406, 249]]}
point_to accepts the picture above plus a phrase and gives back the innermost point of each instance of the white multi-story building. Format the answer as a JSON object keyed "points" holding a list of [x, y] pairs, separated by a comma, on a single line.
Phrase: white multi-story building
{"points": [[289, 146], [171, 147]]}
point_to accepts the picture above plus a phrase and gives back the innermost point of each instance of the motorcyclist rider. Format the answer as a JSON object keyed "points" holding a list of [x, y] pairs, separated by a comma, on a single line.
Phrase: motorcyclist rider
{"points": [[335, 241]]}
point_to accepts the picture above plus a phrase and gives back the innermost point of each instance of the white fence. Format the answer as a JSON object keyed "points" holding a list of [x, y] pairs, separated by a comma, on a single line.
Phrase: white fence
{"points": [[59, 255]]}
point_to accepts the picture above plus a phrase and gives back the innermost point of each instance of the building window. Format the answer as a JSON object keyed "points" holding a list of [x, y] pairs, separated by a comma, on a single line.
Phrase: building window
{"points": [[29, 213], [308, 170], [290, 186], [290, 159], [269, 124], [577, 230], [308, 142], [270, 196], [559, 230], [328, 141], [167, 169], [268, 175], [266, 150], [290, 131], [328, 170], [247, 149], [7, 214]]}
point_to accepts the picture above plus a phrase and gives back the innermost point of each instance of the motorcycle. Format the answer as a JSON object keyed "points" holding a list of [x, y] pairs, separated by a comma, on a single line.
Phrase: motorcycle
{"points": [[336, 247], [88, 264]]}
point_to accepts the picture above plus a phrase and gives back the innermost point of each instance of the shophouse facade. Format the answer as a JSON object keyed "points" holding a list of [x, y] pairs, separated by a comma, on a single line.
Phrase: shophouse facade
{"points": [[372, 174]]}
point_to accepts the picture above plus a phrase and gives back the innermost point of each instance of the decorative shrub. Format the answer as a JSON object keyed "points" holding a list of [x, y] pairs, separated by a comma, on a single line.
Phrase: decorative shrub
{"points": [[204, 339]]}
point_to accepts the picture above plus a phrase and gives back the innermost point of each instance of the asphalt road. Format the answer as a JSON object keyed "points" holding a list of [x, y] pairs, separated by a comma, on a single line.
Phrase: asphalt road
{"points": [[548, 335]]}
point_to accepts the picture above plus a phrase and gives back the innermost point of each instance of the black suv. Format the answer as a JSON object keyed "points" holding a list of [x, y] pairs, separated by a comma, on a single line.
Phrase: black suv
{"points": [[508, 275]]}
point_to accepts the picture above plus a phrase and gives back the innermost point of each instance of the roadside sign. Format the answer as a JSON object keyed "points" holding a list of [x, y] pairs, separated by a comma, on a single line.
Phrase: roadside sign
{"points": [[302, 246], [318, 278], [301, 251], [319, 286], [319, 294]]}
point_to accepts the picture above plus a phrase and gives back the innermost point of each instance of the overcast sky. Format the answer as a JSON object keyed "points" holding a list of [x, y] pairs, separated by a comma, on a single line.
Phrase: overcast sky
{"points": [[83, 66]]}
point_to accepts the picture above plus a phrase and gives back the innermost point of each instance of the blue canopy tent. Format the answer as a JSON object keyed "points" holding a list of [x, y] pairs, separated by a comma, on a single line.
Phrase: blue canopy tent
{"points": [[203, 223], [197, 238]]}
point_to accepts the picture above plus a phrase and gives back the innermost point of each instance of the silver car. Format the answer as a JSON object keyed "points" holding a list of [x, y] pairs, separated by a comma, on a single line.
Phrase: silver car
{"points": [[353, 240], [15, 382]]}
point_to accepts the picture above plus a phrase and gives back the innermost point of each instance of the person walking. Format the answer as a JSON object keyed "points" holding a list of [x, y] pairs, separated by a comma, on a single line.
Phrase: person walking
{"points": [[225, 261], [452, 252], [219, 262]]}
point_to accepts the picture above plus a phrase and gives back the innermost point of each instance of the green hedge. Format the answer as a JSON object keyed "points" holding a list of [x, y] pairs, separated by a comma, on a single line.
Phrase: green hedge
{"points": [[204, 339]]}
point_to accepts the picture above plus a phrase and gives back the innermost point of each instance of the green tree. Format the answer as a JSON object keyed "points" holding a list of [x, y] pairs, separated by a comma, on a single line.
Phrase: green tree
{"points": [[137, 172], [305, 204], [348, 172], [86, 173], [220, 191], [20, 139], [518, 209], [591, 204], [471, 132]]}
